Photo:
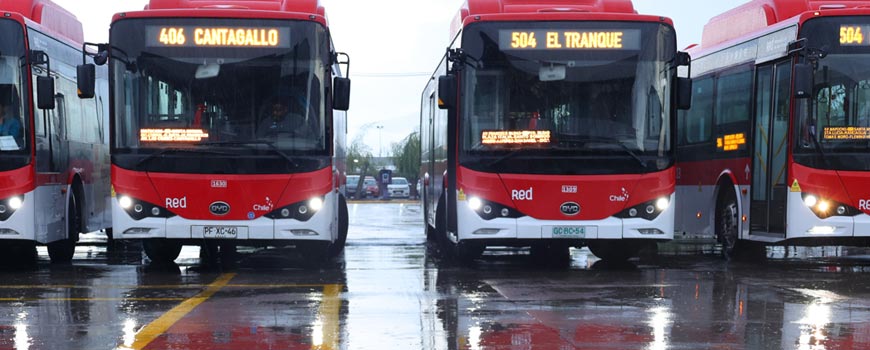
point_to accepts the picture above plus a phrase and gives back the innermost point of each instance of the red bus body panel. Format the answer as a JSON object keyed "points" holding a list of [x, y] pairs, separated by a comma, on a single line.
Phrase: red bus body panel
{"points": [[16, 182]]}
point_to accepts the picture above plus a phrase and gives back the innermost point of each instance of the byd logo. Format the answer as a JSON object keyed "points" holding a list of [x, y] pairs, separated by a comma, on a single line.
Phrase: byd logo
{"points": [[219, 208], [570, 208], [864, 204], [522, 195]]}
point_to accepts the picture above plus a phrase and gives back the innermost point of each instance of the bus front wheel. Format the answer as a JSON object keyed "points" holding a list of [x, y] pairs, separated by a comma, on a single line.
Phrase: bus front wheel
{"points": [[614, 250], [728, 224], [62, 251], [161, 250]]}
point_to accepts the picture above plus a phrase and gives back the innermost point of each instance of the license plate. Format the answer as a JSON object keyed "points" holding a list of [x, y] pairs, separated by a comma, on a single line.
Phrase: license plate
{"points": [[219, 232], [568, 231]]}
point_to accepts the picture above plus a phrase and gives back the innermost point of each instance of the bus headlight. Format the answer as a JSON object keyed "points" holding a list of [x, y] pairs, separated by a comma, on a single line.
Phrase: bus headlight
{"points": [[15, 203], [474, 203], [139, 209], [125, 202], [825, 208], [647, 210], [302, 211], [492, 210]]}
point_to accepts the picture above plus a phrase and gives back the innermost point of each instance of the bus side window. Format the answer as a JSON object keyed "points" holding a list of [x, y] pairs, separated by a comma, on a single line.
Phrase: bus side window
{"points": [[698, 121]]}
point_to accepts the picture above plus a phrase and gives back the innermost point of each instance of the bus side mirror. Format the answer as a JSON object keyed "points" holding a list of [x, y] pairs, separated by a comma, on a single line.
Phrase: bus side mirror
{"points": [[86, 77], [684, 93], [803, 80], [446, 91], [341, 93], [44, 92]]}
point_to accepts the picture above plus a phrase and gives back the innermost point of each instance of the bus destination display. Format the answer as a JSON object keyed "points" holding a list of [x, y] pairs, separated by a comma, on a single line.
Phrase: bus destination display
{"points": [[846, 133], [854, 35], [196, 36], [628, 39], [515, 137]]}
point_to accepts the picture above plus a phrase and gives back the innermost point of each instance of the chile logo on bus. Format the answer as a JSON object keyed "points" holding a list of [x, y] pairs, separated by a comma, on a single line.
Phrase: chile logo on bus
{"points": [[570, 208], [219, 208]]}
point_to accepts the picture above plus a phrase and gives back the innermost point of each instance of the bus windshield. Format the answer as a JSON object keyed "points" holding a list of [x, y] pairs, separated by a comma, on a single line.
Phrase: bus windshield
{"points": [[835, 120], [208, 88], [539, 92], [13, 122]]}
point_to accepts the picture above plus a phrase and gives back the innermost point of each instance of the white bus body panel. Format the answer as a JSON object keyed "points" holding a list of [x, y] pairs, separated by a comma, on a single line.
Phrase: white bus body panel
{"points": [[470, 222], [324, 223]]}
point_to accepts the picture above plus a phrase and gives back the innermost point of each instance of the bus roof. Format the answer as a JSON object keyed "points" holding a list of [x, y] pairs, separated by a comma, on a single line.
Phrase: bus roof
{"points": [[48, 15], [759, 14], [547, 10], [302, 6]]}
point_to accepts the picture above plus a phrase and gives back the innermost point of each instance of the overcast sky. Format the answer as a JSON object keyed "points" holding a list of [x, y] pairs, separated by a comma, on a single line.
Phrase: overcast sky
{"points": [[394, 46]]}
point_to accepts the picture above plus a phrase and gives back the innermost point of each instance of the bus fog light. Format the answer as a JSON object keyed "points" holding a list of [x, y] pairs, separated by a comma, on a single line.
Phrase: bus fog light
{"points": [[137, 231], [303, 233], [15, 203], [650, 209], [487, 231], [662, 203], [632, 212], [505, 212], [3, 209], [474, 203], [315, 204], [155, 211], [650, 231], [6, 231], [125, 202], [822, 230], [810, 201], [303, 210], [138, 208], [824, 206], [285, 212], [841, 210], [487, 209]]}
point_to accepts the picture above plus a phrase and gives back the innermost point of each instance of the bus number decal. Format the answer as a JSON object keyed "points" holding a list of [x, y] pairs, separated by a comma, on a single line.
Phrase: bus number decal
{"points": [[523, 40], [172, 36], [851, 35]]}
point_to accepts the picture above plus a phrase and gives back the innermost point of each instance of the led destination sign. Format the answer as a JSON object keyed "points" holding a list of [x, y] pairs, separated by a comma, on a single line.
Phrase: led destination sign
{"points": [[628, 39], [515, 137], [846, 133], [854, 35], [172, 135], [195, 36]]}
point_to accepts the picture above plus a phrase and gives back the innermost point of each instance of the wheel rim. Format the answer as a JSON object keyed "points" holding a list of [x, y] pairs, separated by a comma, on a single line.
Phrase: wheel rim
{"points": [[728, 225]]}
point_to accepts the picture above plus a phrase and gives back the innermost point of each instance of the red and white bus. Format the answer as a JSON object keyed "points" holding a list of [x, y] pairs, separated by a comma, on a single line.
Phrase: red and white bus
{"points": [[775, 147], [54, 153], [227, 127], [554, 129]]}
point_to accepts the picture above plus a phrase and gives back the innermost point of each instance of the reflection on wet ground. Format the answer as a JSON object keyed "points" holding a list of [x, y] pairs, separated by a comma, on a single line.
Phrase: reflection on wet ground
{"points": [[390, 291]]}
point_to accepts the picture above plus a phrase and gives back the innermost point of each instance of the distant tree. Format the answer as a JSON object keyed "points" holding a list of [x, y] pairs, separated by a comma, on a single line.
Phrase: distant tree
{"points": [[406, 157], [359, 161]]}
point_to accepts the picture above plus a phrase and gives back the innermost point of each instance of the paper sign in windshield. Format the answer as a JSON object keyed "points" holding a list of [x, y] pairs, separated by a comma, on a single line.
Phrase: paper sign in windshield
{"points": [[172, 135], [846, 133], [515, 137]]}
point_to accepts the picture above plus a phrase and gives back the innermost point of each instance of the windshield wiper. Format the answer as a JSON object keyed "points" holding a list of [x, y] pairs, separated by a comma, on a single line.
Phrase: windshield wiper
{"points": [[175, 150], [819, 151], [271, 145]]}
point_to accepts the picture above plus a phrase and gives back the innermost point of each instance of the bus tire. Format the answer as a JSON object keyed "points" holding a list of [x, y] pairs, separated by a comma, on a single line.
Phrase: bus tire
{"points": [[62, 251], [161, 250], [614, 250], [728, 222], [445, 246], [337, 247]]}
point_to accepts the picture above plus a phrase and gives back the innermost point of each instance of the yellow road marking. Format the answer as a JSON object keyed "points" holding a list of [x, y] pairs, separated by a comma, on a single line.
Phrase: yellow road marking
{"points": [[159, 286], [328, 317], [91, 299], [159, 326]]}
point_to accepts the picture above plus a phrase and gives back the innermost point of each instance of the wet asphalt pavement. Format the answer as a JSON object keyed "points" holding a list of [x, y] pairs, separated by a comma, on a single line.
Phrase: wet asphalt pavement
{"points": [[391, 292]]}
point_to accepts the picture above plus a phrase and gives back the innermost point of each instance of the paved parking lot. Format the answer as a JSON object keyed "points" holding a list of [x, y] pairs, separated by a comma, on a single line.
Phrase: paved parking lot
{"points": [[390, 291]]}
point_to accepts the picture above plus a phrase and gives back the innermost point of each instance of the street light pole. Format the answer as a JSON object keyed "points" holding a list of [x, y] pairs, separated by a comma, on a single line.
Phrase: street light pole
{"points": [[380, 145]]}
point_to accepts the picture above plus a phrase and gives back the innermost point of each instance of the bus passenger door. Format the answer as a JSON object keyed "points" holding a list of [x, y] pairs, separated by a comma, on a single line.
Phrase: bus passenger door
{"points": [[770, 148]]}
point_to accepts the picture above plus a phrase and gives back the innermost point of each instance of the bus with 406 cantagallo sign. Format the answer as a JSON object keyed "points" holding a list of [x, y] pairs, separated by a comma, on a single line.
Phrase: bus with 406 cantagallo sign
{"points": [[550, 127], [228, 127]]}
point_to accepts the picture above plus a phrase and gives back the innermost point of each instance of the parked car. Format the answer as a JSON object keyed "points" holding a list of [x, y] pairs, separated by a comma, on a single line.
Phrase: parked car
{"points": [[352, 182], [371, 187], [399, 188]]}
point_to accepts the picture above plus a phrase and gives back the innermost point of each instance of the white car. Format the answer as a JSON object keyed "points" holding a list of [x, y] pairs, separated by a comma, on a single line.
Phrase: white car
{"points": [[399, 188]]}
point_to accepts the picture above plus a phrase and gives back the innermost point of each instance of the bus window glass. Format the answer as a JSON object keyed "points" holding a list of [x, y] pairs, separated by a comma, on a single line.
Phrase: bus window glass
{"points": [[259, 96], [733, 97], [835, 121], [699, 119], [569, 96], [13, 108]]}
